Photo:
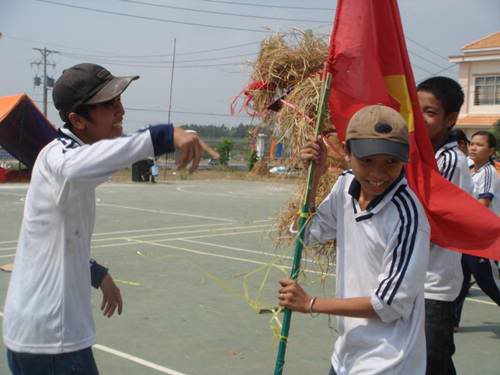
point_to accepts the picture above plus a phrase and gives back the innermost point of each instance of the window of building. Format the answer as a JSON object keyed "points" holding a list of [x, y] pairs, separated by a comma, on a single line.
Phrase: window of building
{"points": [[487, 90]]}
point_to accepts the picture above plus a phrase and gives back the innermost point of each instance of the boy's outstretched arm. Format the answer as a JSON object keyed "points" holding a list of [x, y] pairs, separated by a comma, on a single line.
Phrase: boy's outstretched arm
{"points": [[293, 297]]}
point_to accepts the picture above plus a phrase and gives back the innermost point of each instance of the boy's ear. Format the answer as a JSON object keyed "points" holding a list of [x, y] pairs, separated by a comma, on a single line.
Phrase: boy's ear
{"points": [[451, 119], [77, 121], [347, 152]]}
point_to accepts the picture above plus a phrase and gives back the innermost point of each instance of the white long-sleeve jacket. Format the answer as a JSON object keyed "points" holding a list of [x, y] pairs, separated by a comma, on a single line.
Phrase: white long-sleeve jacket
{"points": [[48, 303]]}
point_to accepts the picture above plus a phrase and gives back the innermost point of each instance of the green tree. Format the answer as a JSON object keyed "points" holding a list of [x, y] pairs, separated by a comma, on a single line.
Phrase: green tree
{"points": [[224, 148]]}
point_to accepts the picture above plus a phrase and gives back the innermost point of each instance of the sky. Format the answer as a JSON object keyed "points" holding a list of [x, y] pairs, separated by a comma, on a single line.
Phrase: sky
{"points": [[215, 40]]}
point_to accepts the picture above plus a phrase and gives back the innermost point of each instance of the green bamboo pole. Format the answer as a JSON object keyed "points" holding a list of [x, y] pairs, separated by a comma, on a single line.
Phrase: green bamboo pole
{"points": [[299, 241]]}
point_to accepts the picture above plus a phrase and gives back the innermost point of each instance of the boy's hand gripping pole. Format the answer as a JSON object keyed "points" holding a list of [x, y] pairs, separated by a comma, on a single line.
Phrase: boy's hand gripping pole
{"points": [[299, 240]]}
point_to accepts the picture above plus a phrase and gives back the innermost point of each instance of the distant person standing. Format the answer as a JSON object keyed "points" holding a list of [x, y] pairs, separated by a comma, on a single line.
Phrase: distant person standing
{"points": [[155, 170], [487, 192], [462, 143], [48, 326]]}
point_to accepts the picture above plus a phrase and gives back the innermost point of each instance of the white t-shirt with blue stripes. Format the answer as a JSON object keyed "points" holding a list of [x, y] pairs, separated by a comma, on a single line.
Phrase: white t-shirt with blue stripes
{"points": [[382, 253], [487, 185], [444, 275]]}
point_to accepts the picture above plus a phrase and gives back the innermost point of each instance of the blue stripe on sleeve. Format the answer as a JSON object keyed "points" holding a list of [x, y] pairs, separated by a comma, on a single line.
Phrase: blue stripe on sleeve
{"points": [[162, 137], [398, 255], [381, 293], [404, 248], [487, 179], [449, 164], [414, 220]]}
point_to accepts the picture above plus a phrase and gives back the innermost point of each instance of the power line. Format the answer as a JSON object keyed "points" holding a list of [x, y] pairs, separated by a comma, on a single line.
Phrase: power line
{"points": [[445, 69], [224, 13], [82, 56], [422, 69], [425, 59], [185, 112], [156, 110], [180, 53], [132, 56], [267, 5], [206, 25], [162, 66], [153, 18], [427, 49], [165, 64]]}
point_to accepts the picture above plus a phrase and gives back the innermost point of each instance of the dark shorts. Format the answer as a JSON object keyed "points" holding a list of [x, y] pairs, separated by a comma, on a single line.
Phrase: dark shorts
{"points": [[439, 317], [80, 362]]}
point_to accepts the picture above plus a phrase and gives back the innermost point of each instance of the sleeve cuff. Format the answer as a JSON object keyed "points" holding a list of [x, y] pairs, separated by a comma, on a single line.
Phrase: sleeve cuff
{"points": [[97, 273], [486, 196], [162, 137], [384, 312]]}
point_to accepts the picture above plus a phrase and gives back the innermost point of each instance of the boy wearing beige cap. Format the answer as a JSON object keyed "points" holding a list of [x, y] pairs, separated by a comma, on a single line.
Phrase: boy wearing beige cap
{"points": [[382, 238]]}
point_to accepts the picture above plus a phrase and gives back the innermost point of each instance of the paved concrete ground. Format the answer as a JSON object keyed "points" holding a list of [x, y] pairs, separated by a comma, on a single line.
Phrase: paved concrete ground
{"points": [[180, 253]]}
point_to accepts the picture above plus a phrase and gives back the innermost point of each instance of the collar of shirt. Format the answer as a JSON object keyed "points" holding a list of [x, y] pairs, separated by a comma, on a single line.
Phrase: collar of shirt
{"points": [[448, 145], [484, 166], [377, 204], [66, 133]]}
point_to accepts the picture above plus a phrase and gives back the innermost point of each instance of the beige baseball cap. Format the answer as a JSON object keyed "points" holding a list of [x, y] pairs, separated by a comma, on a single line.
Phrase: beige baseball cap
{"points": [[378, 129]]}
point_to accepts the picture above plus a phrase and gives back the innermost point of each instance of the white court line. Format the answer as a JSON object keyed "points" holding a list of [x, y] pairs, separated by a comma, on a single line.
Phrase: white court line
{"points": [[14, 194], [245, 260], [307, 260], [135, 242], [182, 232], [261, 263], [130, 240], [157, 229], [165, 212], [158, 243], [216, 235], [199, 252], [138, 360], [133, 358], [235, 194], [3, 249], [480, 301], [181, 189], [226, 227], [144, 230]]}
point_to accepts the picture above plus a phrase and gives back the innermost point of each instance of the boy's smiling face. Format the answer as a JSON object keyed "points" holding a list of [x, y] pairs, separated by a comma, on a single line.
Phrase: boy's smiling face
{"points": [[437, 121], [375, 173], [105, 122]]}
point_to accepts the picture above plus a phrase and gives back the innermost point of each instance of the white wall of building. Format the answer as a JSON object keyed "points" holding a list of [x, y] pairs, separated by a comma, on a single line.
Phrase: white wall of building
{"points": [[467, 73]]}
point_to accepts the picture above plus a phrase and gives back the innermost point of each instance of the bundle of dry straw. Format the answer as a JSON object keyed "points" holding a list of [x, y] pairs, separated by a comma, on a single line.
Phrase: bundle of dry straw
{"points": [[291, 71], [284, 61]]}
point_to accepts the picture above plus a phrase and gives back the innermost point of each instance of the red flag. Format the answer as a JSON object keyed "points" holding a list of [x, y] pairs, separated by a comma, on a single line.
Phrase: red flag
{"points": [[369, 63]]}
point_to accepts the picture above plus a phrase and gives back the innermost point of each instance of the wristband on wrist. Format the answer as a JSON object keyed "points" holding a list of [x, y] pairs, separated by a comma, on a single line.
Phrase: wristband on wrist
{"points": [[311, 305]]}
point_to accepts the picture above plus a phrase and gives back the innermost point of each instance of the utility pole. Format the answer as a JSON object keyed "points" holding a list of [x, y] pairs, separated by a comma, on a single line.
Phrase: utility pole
{"points": [[47, 81], [171, 83], [170, 104]]}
